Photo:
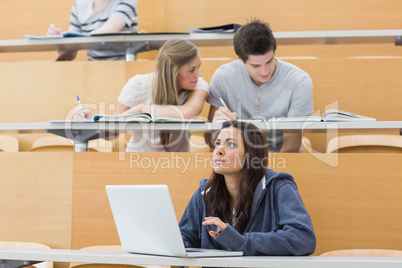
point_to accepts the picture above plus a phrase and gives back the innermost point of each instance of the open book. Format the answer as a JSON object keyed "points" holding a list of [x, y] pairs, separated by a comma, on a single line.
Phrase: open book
{"points": [[63, 35], [142, 117], [226, 28], [332, 115], [339, 116], [139, 33], [135, 118]]}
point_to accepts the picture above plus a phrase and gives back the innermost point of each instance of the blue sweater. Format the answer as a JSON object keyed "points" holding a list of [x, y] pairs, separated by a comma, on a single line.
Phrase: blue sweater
{"points": [[279, 225]]}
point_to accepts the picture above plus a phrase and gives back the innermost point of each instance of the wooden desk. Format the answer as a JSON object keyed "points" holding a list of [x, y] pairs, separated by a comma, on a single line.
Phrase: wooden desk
{"points": [[134, 43], [205, 127], [355, 204], [81, 133], [15, 257]]}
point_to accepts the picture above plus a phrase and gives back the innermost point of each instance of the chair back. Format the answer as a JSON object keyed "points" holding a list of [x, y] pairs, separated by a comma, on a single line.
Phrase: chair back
{"points": [[108, 248], [365, 144], [306, 145], [17, 244], [364, 253], [8, 143]]}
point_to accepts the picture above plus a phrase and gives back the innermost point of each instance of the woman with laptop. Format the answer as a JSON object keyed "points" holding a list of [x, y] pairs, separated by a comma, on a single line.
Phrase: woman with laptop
{"points": [[244, 206]]}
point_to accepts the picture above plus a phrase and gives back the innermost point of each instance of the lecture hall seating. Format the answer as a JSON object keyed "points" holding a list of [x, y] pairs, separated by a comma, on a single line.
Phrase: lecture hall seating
{"points": [[347, 201]]}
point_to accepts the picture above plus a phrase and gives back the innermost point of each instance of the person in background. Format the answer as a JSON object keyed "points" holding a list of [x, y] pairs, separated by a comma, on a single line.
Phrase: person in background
{"points": [[260, 86], [96, 17], [244, 206], [176, 89]]}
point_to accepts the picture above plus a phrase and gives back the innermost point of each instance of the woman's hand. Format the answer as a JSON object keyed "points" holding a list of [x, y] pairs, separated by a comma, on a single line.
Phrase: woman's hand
{"points": [[140, 108], [53, 30], [215, 221], [63, 55], [81, 114]]}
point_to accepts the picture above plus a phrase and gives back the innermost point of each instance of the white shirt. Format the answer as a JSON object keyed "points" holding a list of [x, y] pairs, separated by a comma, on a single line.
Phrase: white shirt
{"points": [[84, 19], [137, 91]]}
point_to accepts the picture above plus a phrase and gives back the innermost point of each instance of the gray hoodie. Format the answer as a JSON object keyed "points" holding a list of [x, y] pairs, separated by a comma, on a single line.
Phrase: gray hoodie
{"points": [[279, 225]]}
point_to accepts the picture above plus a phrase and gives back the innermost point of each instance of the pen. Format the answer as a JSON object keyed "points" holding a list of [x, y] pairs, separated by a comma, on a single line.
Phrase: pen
{"points": [[223, 103], [79, 102]]}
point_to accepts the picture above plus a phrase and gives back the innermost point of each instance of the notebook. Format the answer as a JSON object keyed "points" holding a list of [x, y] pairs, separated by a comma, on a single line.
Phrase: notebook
{"points": [[146, 222]]}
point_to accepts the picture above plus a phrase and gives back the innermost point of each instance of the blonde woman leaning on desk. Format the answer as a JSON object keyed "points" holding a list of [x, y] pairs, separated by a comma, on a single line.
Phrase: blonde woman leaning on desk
{"points": [[175, 89]]}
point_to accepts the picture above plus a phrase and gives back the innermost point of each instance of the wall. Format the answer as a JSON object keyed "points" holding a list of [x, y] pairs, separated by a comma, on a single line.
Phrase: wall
{"points": [[36, 197], [59, 198], [44, 90], [20, 17]]}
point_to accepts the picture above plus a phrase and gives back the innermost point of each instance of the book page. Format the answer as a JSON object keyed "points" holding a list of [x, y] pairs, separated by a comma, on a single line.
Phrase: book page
{"points": [[143, 117], [160, 119], [63, 35], [140, 117], [38, 37], [71, 121], [304, 118], [241, 120], [334, 115], [225, 28]]}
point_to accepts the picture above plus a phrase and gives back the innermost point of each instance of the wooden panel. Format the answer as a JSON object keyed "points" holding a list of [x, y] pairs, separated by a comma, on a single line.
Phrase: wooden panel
{"points": [[355, 204], [366, 86], [19, 17], [40, 91], [36, 197], [369, 87], [353, 199], [139, 67], [92, 219], [371, 149], [287, 15], [363, 86]]}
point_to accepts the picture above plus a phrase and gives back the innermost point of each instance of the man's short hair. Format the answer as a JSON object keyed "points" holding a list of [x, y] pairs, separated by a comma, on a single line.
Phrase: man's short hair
{"points": [[254, 38]]}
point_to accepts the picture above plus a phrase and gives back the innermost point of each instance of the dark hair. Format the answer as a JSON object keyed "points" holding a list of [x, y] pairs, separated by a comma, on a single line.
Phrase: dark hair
{"points": [[254, 38], [218, 199]]}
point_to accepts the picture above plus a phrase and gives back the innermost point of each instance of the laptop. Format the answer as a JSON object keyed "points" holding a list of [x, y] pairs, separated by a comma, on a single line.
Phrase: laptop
{"points": [[146, 222]]}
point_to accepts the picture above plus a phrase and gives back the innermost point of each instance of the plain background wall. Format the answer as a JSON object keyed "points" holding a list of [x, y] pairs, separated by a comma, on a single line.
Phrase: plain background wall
{"points": [[20, 16]]}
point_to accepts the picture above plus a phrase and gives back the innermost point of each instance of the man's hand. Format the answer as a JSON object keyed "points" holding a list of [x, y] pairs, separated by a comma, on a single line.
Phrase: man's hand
{"points": [[224, 114]]}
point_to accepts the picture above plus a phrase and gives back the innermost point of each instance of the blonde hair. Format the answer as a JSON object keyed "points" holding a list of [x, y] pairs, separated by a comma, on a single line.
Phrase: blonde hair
{"points": [[174, 54]]}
